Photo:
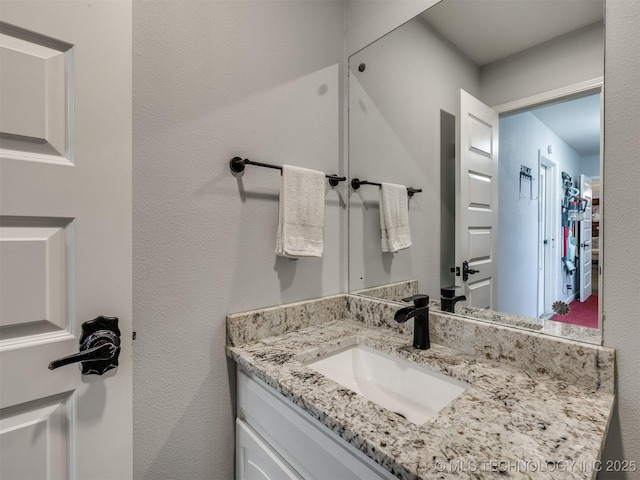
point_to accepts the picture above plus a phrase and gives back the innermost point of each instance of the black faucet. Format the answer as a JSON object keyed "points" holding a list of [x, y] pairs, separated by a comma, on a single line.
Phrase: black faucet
{"points": [[448, 298], [419, 311]]}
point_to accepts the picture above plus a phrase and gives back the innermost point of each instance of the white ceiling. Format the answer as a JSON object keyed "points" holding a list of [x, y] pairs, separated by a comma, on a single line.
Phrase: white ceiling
{"points": [[489, 30], [577, 122]]}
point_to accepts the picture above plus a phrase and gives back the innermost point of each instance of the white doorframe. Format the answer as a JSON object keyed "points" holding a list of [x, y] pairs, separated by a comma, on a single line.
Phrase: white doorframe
{"points": [[552, 232], [601, 209], [565, 93], [542, 236]]}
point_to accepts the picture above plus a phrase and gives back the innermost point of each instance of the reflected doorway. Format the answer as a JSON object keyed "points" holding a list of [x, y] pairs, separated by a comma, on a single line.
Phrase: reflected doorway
{"points": [[545, 150]]}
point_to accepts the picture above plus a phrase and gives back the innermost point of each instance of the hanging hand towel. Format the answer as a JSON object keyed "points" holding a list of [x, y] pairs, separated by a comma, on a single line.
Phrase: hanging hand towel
{"points": [[394, 217], [301, 214]]}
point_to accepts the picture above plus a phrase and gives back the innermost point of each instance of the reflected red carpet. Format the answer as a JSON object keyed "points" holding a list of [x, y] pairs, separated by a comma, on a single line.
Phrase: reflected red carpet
{"points": [[584, 313]]}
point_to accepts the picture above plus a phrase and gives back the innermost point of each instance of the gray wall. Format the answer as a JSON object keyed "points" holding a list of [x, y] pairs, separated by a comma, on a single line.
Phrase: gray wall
{"points": [[621, 204], [369, 20], [394, 136], [591, 166], [213, 80], [565, 60]]}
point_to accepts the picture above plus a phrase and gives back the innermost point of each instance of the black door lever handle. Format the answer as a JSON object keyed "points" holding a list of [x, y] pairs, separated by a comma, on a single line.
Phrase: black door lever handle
{"points": [[106, 351], [466, 271], [99, 347]]}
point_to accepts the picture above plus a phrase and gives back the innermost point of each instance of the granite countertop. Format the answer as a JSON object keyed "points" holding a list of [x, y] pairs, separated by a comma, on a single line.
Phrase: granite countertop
{"points": [[395, 292], [510, 423]]}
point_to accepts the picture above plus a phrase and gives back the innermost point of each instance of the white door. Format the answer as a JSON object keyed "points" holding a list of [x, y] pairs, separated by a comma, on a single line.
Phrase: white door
{"points": [[65, 236], [477, 200], [586, 192], [549, 208]]}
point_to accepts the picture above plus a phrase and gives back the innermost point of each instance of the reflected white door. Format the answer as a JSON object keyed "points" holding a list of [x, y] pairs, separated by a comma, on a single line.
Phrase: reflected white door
{"points": [[549, 223], [586, 192], [477, 199], [65, 236]]}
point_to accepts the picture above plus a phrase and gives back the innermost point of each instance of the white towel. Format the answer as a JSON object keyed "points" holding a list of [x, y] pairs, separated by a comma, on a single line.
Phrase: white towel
{"points": [[394, 217], [301, 215]]}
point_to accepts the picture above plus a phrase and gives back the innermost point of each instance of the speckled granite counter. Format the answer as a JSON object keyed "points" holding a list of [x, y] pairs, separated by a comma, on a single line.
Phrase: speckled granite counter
{"points": [[546, 326], [512, 422], [395, 292]]}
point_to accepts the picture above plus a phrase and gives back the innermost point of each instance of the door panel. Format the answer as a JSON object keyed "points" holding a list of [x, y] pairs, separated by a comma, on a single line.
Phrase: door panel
{"points": [[33, 275], [477, 198], [39, 431], [36, 77], [480, 293], [65, 235], [479, 245], [480, 191]]}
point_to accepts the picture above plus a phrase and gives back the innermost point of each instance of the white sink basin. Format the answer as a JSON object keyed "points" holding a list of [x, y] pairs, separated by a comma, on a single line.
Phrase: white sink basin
{"points": [[399, 385]]}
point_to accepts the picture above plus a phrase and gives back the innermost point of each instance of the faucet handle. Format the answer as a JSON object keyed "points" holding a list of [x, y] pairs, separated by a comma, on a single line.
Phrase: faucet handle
{"points": [[448, 292], [419, 300]]}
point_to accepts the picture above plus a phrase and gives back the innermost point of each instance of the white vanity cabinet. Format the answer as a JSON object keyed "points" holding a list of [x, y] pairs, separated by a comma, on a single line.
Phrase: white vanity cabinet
{"points": [[275, 439]]}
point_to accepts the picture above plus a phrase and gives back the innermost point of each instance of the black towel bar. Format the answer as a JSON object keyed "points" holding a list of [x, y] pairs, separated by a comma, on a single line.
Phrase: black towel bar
{"points": [[237, 165], [356, 182]]}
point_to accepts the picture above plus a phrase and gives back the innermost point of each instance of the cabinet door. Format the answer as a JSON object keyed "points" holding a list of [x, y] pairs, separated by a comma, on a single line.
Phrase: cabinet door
{"points": [[255, 460]]}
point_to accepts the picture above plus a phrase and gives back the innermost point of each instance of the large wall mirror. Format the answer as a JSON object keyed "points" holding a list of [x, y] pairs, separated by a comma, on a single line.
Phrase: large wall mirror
{"points": [[493, 109]]}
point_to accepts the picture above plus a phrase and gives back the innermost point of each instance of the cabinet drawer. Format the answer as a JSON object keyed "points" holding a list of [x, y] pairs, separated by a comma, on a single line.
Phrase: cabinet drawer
{"points": [[311, 449]]}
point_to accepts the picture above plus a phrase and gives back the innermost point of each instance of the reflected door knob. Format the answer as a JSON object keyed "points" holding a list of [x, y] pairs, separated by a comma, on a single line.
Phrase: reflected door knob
{"points": [[466, 271], [99, 347]]}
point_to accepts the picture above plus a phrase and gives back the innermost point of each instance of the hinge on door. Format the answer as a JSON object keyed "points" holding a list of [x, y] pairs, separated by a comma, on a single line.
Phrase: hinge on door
{"points": [[133, 336]]}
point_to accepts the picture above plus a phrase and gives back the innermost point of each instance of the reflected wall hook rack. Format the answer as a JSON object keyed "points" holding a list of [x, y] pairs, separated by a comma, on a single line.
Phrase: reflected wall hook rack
{"points": [[237, 165], [356, 182], [525, 175]]}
